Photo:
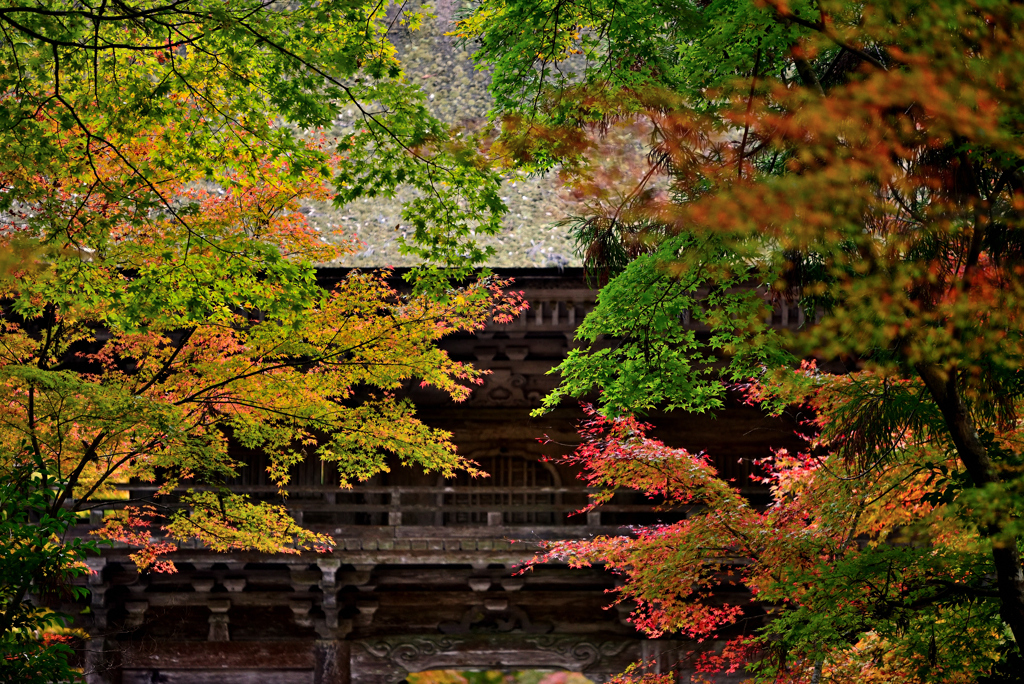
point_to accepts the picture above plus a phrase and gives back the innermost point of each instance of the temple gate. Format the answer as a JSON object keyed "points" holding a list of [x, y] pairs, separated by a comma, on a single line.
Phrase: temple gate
{"points": [[425, 574]]}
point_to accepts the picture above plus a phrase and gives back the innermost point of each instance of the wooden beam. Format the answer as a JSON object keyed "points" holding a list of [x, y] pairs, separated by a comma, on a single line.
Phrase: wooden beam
{"points": [[227, 655]]}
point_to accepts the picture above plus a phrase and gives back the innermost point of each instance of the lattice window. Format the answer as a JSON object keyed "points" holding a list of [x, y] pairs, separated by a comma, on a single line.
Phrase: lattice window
{"points": [[494, 495]]}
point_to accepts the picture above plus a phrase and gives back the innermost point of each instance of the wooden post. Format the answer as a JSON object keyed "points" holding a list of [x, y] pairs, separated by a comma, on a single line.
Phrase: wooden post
{"points": [[96, 661], [219, 620], [395, 515], [333, 662]]}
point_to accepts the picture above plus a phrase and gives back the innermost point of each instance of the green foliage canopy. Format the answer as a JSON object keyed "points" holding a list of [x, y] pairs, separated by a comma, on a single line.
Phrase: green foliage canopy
{"points": [[862, 162], [157, 275], [85, 79]]}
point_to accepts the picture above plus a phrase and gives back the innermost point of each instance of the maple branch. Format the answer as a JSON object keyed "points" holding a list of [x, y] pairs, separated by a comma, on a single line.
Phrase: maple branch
{"points": [[1007, 177], [323, 358], [56, 42], [943, 386], [746, 123], [88, 455], [162, 373], [822, 26], [346, 89], [48, 313], [37, 452], [892, 191], [96, 16], [978, 234], [19, 594], [112, 468], [807, 75], [950, 589], [89, 135]]}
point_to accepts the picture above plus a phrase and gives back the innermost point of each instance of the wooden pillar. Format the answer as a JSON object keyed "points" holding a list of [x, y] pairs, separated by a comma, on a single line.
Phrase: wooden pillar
{"points": [[333, 662], [95, 661], [219, 620]]}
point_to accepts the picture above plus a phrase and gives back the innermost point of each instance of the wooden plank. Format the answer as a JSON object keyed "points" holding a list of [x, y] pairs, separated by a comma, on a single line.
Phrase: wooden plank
{"points": [[367, 489], [217, 676], [204, 655]]}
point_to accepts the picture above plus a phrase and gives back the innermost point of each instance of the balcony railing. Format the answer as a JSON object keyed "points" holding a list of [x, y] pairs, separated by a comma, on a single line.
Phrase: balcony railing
{"points": [[446, 506]]}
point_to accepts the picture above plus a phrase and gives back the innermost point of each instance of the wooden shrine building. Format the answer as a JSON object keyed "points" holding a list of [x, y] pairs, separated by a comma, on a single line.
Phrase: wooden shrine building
{"points": [[424, 575]]}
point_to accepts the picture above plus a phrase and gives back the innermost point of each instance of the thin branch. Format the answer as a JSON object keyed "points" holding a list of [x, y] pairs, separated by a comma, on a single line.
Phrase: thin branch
{"points": [[746, 123]]}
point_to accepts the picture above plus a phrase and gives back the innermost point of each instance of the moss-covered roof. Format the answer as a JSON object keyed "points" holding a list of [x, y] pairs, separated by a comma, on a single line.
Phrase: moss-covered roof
{"points": [[456, 93]]}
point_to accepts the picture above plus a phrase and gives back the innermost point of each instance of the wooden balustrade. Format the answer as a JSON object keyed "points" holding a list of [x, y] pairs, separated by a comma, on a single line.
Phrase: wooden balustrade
{"points": [[445, 506]]}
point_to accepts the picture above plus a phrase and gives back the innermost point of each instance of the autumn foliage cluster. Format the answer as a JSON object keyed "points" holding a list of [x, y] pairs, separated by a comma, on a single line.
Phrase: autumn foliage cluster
{"points": [[144, 352], [159, 305], [860, 163]]}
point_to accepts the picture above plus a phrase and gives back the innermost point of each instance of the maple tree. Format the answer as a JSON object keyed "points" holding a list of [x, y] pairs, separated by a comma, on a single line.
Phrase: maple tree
{"points": [[81, 77], [145, 349], [863, 162], [159, 296]]}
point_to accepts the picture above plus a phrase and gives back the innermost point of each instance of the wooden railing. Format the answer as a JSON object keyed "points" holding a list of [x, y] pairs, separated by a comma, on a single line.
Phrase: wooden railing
{"points": [[445, 506]]}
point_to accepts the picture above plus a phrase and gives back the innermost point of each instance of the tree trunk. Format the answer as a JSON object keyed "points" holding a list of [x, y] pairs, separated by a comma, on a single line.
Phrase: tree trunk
{"points": [[816, 675], [973, 454]]}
